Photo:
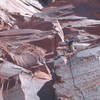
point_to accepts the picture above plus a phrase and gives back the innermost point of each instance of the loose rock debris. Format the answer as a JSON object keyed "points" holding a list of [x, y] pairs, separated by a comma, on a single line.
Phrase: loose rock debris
{"points": [[53, 46]]}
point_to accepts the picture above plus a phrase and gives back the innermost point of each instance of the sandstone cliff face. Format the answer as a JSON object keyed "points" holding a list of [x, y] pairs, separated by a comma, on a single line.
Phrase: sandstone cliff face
{"points": [[80, 77], [68, 30]]}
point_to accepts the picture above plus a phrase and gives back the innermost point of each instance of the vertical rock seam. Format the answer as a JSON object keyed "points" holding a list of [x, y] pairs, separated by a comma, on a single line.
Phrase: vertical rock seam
{"points": [[73, 79]]}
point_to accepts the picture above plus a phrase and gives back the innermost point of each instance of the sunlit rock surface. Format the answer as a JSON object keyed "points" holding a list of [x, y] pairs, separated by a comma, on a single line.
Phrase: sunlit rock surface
{"points": [[80, 76], [31, 86], [79, 73]]}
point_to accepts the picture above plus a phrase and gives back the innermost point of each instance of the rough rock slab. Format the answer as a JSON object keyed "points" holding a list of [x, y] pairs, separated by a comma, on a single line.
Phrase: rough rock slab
{"points": [[81, 76]]}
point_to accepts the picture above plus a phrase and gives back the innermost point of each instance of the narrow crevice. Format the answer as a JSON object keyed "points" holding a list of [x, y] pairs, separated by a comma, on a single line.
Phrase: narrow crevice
{"points": [[73, 79]]}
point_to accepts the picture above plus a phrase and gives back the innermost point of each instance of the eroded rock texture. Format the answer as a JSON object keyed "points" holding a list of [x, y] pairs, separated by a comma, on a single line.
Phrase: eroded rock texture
{"points": [[80, 76], [68, 31]]}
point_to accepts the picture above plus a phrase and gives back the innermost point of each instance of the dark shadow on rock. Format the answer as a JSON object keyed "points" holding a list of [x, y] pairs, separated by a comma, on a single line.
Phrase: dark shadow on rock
{"points": [[45, 2], [47, 92]]}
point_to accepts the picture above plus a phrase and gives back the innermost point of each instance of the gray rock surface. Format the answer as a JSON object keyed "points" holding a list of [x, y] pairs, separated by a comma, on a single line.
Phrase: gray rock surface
{"points": [[80, 76]]}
